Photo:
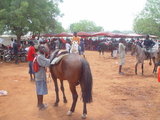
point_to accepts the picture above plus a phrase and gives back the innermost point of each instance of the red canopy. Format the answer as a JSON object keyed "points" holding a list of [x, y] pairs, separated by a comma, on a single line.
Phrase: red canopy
{"points": [[119, 35], [153, 36], [134, 35], [63, 34], [84, 34], [103, 34], [48, 35]]}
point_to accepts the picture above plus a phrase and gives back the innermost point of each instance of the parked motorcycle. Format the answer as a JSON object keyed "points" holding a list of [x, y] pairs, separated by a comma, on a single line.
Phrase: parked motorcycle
{"points": [[9, 56]]}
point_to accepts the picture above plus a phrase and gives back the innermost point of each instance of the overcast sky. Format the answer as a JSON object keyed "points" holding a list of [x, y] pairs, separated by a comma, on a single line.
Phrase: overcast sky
{"points": [[110, 14]]}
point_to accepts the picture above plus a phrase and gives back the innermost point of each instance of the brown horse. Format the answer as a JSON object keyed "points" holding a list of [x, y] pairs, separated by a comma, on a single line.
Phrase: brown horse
{"points": [[76, 70]]}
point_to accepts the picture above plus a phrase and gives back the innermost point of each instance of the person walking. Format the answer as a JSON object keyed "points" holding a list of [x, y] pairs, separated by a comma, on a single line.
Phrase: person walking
{"points": [[82, 47], [121, 50], [68, 45], [30, 57], [15, 51]]}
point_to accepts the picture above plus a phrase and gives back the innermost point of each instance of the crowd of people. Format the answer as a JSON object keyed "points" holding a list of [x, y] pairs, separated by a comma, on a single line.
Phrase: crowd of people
{"points": [[105, 44], [115, 46]]}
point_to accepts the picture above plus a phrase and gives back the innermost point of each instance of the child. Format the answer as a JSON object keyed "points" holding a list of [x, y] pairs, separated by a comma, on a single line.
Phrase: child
{"points": [[40, 77]]}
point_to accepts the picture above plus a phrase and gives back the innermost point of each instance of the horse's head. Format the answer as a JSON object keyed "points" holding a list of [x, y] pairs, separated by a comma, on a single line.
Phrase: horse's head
{"points": [[133, 49], [44, 48], [74, 43]]}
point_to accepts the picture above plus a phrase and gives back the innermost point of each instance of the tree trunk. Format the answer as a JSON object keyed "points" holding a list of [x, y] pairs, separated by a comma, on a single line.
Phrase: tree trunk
{"points": [[18, 38], [38, 35]]}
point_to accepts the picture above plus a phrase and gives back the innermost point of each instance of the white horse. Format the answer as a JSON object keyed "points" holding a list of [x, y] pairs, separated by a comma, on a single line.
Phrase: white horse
{"points": [[74, 47], [141, 56]]}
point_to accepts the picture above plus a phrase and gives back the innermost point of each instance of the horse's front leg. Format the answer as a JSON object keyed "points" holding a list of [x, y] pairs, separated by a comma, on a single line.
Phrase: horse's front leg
{"points": [[62, 89], [75, 97], [155, 65], [150, 62], [136, 68], [56, 90]]}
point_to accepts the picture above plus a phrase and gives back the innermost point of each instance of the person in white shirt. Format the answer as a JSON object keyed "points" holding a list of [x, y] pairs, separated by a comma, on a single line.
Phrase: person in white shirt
{"points": [[12, 42], [68, 46], [121, 50]]}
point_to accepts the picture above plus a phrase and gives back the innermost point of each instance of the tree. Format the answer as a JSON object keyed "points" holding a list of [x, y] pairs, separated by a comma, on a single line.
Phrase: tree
{"points": [[21, 16], [148, 21], [55, 28], [86, 26], [146, 26], [116, 31]]}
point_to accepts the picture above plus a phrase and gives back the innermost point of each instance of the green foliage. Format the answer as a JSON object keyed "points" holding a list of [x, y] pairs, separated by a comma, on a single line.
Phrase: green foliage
{"points": [[148, 21], [85, 26], [21, 16], [116, 31], [56, 27], [147, 26]]}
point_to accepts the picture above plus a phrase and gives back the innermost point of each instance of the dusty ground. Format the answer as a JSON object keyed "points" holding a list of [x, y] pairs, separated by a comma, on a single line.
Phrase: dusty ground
{"points": [[116, 97]]}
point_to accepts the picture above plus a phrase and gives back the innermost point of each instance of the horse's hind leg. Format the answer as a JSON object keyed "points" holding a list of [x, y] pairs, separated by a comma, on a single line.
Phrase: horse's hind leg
{"points": [[155, 68], [136, 68], [75, 97], [84, 115], [62, 89], [102, 52], [142, 68], [150, 62]]}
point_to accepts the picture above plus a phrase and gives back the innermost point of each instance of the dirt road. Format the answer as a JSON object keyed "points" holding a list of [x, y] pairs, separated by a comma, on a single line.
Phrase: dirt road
{"points": [[115, 97]]}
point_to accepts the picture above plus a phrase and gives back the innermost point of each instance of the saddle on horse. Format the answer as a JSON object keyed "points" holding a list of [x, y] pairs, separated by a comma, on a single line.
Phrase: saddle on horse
{"points": [[57, 55], [148, 52]]}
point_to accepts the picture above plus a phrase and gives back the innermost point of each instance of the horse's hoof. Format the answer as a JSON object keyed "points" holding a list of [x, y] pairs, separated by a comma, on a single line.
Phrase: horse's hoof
{"points": [[65, 101], [69, 113], [55, 104], [84, 116]]}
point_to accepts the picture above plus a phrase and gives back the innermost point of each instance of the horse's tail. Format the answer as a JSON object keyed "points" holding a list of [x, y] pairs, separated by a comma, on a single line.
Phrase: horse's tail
{"points": [[86, 82]]}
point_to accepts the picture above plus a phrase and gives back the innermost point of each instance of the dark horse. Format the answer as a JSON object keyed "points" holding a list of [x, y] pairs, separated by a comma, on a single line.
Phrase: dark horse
{"points": [[76, 70], [101, 48], [141, 56]]}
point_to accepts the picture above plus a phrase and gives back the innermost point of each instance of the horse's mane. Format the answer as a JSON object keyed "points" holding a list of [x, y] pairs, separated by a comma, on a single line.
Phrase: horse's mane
{"points": [[54, 54]]}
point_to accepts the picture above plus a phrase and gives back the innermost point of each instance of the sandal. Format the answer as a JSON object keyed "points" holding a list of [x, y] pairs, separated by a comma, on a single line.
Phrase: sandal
{"points": [[43, 106]]}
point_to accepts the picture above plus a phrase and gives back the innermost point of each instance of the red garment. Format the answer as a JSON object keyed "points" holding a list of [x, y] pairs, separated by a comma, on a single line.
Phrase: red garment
{"points": [[31, 53], [62, 40]]}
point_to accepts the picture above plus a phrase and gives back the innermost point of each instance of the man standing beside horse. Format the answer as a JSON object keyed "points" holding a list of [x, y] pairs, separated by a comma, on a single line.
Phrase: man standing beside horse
{"points": [[40, 77]]}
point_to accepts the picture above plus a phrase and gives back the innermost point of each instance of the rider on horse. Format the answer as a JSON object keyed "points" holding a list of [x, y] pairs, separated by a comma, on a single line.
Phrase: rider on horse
{"points": [[148, 45], [76, 39]]}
